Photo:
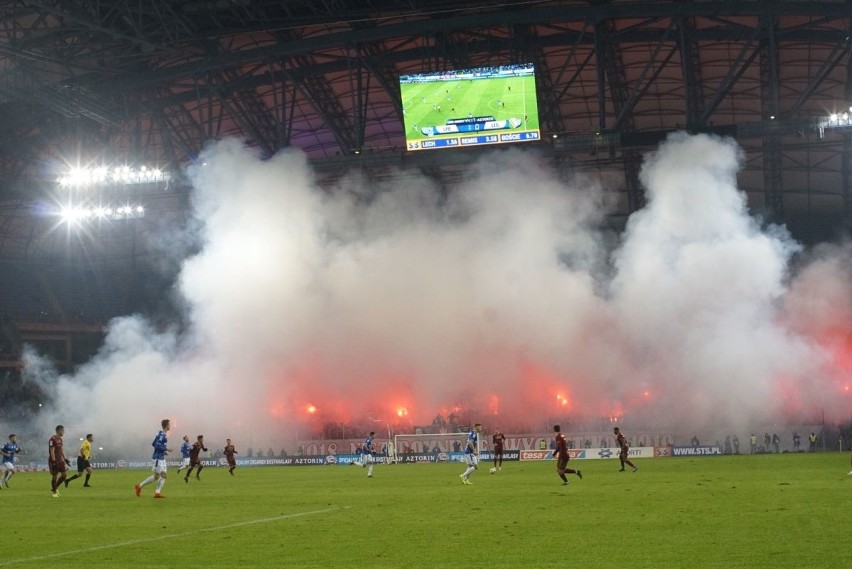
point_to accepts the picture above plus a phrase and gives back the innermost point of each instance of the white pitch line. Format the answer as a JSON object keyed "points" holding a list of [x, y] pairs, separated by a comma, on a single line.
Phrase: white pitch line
{"points": [[168, 536]]}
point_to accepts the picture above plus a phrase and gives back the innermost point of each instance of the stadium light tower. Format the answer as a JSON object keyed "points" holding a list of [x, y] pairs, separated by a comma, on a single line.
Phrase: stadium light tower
{"points": [[102, 193], [103, 176]]}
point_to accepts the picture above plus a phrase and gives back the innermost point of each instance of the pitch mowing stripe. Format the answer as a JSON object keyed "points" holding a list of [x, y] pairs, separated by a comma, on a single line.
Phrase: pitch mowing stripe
{"points": [[168, 536]]}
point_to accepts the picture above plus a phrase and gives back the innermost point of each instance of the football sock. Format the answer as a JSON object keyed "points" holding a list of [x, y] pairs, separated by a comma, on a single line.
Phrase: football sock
{"points": [[147, 481]]}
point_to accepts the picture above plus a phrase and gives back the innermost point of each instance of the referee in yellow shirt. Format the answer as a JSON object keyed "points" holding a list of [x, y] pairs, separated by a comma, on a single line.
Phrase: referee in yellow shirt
{"points": [[84, 461]]}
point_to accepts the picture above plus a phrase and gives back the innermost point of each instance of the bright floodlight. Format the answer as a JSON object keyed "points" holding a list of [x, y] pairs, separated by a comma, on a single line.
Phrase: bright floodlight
{"points": [[103, 176], [73, 214]]}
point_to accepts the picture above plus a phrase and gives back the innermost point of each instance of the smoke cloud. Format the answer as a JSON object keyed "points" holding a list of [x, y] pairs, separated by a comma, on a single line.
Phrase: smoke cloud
{"points": [[502, 301]]}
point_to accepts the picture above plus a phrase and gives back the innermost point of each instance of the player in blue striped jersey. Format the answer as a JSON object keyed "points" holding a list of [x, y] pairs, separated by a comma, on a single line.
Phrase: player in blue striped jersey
{"points": [[9, 450], [471, 454], [367, 451], [161, 449], [185, 449]]}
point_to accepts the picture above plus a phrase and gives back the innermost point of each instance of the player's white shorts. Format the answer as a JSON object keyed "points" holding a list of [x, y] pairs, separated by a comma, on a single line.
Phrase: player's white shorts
{"points": [[184, 463], [9, 466], [160, 466], [472, 459], [367, 458]]}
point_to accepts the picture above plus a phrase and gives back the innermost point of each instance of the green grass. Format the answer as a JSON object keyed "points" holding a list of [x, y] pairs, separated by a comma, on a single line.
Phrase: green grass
{"points": [[478, 98], [719, 512]]}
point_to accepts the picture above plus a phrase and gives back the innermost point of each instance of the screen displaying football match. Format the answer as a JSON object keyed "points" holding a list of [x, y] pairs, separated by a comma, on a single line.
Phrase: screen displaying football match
{"points": [[470, 107]]}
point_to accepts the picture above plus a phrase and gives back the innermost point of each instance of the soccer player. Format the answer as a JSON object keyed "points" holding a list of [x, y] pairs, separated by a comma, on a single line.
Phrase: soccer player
{"points": [[159, 468], [229, 453], [561, 456], [498, 439], [184, 453], [471, 454], [84, 461], [367, 451], [194, 459], [56, 460], [622, 444], [9, 450]]}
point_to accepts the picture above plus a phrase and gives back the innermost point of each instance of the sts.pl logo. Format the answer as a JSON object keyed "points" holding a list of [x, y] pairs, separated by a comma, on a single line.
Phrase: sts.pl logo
{"points": [[604, 453]]}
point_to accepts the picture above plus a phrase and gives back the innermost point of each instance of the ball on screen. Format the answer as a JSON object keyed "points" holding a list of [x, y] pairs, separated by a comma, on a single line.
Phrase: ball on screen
{"points": [[492, 470]]}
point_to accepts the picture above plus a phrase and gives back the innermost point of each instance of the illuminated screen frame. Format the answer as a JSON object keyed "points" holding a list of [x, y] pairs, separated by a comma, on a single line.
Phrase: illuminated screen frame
{"points": [[470, 107]]}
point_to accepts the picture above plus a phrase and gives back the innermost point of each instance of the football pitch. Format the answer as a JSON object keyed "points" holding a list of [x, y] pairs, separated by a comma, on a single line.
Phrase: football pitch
{"points": [[435, 102], [720, 512]]}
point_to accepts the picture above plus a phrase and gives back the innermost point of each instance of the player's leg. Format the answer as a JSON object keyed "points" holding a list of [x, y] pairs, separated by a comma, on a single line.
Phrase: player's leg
{"points": [[59, 480], [188, 472], [369, 458], [469, 470], [88, 476], [560, 470], [151, 478], [199, 466], [161, 480], [567, 470], [473, 464]]}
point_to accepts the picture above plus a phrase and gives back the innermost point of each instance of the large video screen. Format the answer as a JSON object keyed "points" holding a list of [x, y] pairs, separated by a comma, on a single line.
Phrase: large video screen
{"points": [[470, 107]]}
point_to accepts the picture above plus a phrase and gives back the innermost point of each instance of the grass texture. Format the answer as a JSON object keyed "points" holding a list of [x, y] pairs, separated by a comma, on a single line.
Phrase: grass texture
{"points": [[708, 512]]}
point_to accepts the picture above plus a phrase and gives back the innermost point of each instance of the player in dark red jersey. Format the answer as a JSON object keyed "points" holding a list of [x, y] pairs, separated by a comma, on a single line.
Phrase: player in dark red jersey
{"points": [[625, 450], [498, 439], [229, 453], [194, 459], [56, 460], [561, 456]]}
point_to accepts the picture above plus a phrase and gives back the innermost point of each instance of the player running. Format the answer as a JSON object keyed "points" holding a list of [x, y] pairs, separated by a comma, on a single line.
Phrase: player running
{"points": [[185, 448], [471, 454], [159, 468], [194, 459], [368, 449], [562, 457], [9, 450]]}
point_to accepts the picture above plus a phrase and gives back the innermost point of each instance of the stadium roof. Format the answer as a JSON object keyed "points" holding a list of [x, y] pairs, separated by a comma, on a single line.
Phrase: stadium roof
{"points": [[87, 80]]}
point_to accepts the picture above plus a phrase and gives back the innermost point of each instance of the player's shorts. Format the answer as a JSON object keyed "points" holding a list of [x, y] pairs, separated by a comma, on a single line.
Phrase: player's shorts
{"points": [[185, 462], [160, 466], [625, 452], [194, 462], [9, 466], [562, 463], [57, 467], [82, 464], [231, 461], [367, 458], [471, 459], [498, 451]]}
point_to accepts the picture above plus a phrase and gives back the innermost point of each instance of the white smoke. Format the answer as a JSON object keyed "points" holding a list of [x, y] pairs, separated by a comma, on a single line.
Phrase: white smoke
{"points": [[376, 296]]}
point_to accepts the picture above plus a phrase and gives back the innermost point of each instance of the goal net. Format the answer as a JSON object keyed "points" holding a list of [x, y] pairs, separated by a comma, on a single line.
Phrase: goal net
{"points": [[421, 444]]}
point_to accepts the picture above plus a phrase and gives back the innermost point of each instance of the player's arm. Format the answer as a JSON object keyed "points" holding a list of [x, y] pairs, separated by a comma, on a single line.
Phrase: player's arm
{"points": [[51, 452]]}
